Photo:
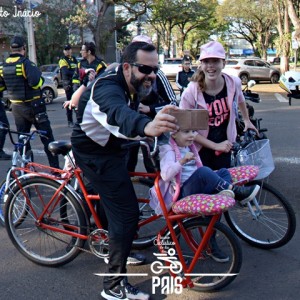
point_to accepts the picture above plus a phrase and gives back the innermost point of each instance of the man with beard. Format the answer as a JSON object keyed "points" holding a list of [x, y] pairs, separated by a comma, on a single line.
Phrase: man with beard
{"points": [[147, 102], [105, 122]]}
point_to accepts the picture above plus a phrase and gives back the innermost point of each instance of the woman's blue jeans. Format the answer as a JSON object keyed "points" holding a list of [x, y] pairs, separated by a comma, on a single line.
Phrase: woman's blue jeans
{"points": [[206, 181]]}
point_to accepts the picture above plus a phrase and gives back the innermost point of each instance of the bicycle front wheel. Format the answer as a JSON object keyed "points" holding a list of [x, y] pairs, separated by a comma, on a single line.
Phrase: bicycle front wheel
{"points": [[48, 240], [19, 213], [2, 201], [266, 222], [209, 275]]}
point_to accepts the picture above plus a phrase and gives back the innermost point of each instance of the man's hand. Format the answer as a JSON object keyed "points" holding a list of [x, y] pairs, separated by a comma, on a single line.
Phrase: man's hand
{"points": [[163, 122]]}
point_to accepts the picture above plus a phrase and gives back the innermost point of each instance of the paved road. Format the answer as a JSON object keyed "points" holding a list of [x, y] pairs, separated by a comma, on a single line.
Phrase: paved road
{"points": [[264, 275]]}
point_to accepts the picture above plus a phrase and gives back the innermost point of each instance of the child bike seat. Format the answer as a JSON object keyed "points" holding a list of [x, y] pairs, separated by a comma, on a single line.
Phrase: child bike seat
{"points": [[203, 204], [243, 174]]}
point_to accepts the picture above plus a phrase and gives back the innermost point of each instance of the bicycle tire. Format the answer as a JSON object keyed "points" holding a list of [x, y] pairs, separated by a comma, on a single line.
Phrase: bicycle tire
{"points": [[2, 202], [271, 225], [146, 233], [19, 214], [209, 275], [46, 247]]}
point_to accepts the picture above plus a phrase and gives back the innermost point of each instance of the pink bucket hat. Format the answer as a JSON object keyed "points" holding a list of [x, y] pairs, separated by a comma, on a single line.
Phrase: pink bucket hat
{"points": [[212, 50], [142, 38]]}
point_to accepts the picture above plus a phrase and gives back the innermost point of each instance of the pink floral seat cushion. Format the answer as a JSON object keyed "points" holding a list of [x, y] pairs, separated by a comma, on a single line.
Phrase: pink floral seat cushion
{"points": [[243, 174], [202, 204]]}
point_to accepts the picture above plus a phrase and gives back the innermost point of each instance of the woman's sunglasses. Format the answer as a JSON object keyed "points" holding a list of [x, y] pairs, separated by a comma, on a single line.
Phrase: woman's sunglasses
{"points": [[145, 69]]}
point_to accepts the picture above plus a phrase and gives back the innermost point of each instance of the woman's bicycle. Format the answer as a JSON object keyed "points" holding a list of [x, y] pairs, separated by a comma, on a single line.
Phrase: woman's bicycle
{"points": [[20, 158], [268, 221], [57, 224]]}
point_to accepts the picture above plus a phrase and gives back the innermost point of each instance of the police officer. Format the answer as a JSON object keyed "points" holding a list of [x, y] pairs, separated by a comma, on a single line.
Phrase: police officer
{"points": [[3, 132], [89, 61], [67, 65], [23, 80]]}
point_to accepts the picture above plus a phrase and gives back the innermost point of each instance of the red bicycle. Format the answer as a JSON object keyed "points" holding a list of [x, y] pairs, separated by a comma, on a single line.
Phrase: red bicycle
{"points": [[61, 217]]}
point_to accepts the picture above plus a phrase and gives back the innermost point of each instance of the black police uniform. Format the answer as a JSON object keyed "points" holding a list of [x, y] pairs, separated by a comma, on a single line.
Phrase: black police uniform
{"points": [[68, 65], [22, 79], [97, 64], [3, 132]]}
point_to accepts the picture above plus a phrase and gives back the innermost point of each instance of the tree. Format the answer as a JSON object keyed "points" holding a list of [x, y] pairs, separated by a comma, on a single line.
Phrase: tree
{"points": [[50, 34], [175, 20], [95, 15], [250, 20]]}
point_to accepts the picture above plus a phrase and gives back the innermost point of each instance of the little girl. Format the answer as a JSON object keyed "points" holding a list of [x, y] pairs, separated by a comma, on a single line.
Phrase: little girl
{"points": [[180, 158]]}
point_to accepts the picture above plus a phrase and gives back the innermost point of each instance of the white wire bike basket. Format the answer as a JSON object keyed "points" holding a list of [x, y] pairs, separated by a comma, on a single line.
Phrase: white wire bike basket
{"points": [[257, 153]]}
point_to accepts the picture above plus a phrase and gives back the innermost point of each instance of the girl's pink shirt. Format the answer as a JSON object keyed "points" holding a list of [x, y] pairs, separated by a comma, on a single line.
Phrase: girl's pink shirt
{"points": [[193, 98]]}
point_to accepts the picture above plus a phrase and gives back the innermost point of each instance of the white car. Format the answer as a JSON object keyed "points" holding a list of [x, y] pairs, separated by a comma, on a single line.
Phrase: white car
{"points": [[171, 66], [251, 68]]}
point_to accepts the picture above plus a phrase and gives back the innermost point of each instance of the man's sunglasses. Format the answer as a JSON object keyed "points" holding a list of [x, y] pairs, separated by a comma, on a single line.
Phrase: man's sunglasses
{"points": [[145, 69]]}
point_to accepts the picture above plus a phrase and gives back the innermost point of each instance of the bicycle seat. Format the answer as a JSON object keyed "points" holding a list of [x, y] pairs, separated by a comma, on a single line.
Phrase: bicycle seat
{"points": [[60, 147], [203, 204], [243, 174]]}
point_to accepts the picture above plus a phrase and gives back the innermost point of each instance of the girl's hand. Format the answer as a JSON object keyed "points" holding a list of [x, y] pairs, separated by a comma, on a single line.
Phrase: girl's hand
{"points": [[224, 146], [188, 157], [66, 104], [249, 125]]}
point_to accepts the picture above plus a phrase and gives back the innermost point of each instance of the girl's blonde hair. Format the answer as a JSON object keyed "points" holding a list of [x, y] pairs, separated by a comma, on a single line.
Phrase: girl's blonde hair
{"points": [[199, 77]]}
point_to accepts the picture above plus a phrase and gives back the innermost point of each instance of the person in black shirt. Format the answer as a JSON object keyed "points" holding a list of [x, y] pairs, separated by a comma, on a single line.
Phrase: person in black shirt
{"points": [[68, 65], [89, 62], [3, 132], [23, 80], [105, 122], [183, 77]]}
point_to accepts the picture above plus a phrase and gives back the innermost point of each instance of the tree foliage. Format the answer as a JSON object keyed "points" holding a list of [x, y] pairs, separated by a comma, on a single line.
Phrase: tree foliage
{"points": [[98, 16], [177, 19], [251, 20]]}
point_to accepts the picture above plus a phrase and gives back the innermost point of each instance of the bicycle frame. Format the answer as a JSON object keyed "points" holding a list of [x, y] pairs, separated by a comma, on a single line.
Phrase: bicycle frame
{"points": [[173, 221]]}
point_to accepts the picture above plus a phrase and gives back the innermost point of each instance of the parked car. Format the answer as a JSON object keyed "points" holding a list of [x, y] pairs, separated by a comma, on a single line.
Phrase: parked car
{"points": [[52, 72], [49, 93], [251, 68], [171, 66]]}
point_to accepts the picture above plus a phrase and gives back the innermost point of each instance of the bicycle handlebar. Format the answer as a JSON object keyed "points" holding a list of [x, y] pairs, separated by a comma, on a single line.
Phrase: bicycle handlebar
{"points": [[249, 136], [142, 143], [28, 135]]}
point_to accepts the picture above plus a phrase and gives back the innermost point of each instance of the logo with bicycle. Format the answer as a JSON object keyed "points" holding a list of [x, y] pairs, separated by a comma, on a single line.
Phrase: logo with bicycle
{"points": [[169, 262]]}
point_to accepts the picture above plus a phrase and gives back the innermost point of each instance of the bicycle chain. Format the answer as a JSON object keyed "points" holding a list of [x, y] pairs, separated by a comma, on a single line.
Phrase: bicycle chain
{"points": [[57, 238]]}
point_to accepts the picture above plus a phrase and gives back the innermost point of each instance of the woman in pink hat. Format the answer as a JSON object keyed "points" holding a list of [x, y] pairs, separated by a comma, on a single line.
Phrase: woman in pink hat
{"points": [[221, 95]]}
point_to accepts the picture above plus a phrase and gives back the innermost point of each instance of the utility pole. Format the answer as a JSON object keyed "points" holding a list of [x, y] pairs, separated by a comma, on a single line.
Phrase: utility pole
{"points": [[30, 35]]}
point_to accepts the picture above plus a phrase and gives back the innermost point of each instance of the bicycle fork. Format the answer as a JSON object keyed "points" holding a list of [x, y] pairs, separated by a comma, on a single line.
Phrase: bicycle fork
{"points": [[194, 245]]}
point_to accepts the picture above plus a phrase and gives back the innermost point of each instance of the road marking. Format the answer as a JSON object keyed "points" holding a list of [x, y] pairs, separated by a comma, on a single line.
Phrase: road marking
{"points": [[122, 274], [288, 160], [280, 98]]}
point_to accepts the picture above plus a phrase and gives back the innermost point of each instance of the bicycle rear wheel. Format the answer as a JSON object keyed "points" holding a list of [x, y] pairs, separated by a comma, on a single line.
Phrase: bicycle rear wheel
{"points": [[209, 275], [267, 222], [47, 242]]}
